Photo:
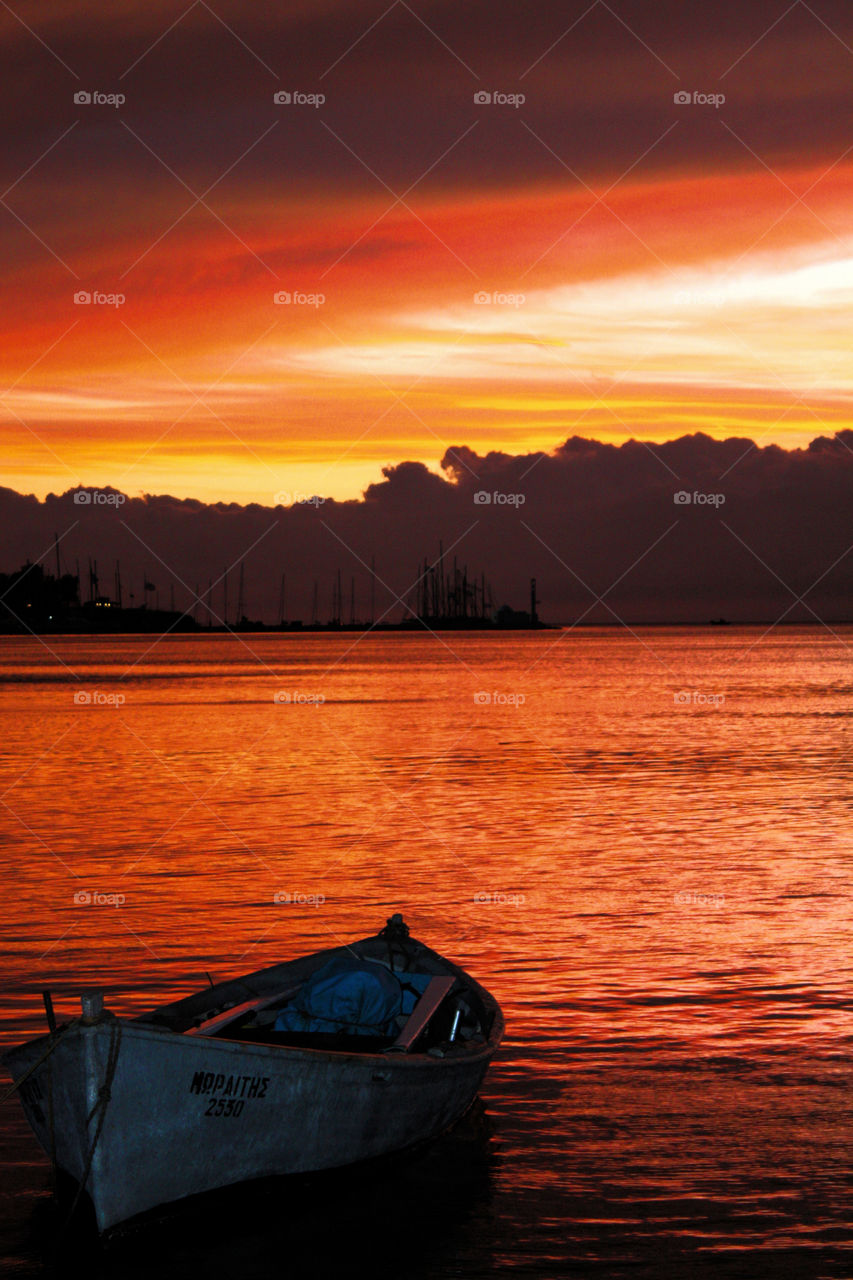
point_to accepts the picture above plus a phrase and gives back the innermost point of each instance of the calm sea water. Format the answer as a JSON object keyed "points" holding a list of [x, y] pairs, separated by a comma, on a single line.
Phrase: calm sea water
{"points": [[641, 842]]}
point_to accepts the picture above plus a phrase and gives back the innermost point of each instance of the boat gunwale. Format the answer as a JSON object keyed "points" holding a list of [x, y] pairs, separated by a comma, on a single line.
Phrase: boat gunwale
{"points": [[398, 1060], [148, 1024]]}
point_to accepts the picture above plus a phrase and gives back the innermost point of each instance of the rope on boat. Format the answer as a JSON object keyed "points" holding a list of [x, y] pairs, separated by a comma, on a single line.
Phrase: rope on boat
{"points": [[101, 1104], [55, 1037], [99, 1109]]}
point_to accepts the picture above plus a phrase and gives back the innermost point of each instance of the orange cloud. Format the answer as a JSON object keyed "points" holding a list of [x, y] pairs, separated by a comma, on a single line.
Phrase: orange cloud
{"points": [[652, 309]]}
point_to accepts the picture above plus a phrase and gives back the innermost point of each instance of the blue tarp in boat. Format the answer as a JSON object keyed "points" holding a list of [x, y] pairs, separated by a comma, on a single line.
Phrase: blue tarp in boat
{"points": [[356, 997]]}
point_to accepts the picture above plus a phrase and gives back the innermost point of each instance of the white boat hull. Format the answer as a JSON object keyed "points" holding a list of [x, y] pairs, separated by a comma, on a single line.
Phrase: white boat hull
{"points": [[190, 1113]]}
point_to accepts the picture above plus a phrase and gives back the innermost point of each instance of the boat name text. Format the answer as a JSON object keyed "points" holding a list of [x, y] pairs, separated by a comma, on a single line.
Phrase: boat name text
{"points": [[229, 1086]]}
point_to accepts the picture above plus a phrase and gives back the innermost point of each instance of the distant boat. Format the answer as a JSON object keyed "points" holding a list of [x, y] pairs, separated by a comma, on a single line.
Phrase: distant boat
{"points": [[323, 1061], [719, 622]]}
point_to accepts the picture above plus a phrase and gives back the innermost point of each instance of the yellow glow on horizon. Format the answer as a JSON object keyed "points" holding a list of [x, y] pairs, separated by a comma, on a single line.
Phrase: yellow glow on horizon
{"points": [[217, 391]]}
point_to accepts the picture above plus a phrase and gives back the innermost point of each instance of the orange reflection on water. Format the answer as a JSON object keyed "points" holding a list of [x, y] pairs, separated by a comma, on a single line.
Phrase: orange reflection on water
{"points": [[620, 869]]}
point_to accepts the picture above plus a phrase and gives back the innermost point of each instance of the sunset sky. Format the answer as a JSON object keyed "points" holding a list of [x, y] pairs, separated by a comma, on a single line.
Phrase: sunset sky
{"points": [[652, 267]]}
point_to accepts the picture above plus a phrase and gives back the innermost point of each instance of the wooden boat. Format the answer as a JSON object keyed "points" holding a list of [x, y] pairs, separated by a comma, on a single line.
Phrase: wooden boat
{"points": [[216, 1089]]}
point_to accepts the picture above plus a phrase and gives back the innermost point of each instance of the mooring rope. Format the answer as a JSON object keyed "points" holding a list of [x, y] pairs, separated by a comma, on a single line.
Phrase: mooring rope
{"points": [[99, 1109], [101, 1103], [55, 1037]]}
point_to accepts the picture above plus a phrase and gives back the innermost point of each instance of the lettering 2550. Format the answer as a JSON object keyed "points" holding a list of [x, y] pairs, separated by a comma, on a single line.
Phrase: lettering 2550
{"points": [[229, 1093]]}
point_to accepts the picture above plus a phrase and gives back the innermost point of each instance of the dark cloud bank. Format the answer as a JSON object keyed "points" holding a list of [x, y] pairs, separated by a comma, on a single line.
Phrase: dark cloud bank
{"points": [[763, 527], [399, 90]]}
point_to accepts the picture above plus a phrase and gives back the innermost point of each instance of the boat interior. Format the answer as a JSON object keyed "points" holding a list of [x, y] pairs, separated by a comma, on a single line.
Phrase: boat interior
{"points": [[328, 1001]]}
